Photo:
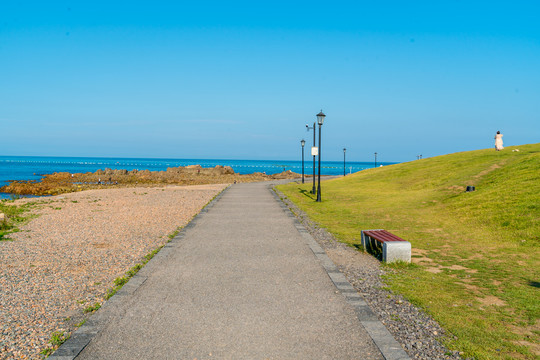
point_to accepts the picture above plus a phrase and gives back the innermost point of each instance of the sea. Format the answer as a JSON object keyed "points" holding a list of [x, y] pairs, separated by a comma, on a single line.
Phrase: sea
{"points": [[34, 167]]}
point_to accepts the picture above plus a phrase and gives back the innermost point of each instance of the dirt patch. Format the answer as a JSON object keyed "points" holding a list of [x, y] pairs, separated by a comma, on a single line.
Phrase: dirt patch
{"points": [[491, 300], [476, 256], [419, 251], [434, 270], [470, 287], [419, 260], [534, 347], [488, 170], [531, 332], [526, 330], [457, 267]]}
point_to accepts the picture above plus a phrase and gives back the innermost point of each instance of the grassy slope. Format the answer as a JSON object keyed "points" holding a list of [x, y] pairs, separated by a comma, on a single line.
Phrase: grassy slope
{"points": [[477, 254]]}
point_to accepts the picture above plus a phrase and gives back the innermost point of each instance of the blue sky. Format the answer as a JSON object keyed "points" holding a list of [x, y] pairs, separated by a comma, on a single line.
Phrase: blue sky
{"points": [[240, 79]]}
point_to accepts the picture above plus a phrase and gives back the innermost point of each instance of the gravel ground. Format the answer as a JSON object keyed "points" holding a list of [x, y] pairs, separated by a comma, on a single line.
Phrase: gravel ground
{"points": [[417, 333], [67, 258]]}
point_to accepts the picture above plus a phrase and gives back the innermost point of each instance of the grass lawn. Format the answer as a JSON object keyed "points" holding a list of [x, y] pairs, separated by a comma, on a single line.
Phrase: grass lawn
{"points": [[476, 258], [13, 217]]}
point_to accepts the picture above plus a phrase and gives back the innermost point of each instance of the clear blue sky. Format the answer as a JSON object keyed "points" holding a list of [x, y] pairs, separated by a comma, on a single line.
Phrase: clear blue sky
{"points": [[240, 79]]}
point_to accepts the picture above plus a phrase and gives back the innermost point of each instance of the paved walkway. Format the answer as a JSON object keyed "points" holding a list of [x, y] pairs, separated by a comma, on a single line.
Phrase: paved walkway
{"points": [[241, 282]]}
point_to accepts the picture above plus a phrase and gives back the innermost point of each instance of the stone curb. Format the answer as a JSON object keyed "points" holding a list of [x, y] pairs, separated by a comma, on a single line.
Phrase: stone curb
{"points": [[383, 339], [70, 349]]}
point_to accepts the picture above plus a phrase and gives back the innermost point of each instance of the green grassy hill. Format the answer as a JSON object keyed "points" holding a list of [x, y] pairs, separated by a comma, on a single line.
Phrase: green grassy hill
{"points": [[476, 258]]}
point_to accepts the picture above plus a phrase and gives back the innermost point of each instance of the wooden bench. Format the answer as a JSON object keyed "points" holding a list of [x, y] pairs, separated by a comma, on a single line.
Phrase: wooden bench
{"points": [[386, 246]]}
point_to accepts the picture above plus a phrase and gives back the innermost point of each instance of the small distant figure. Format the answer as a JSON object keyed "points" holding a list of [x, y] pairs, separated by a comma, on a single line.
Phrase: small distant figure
{"points": [[498, 141]]}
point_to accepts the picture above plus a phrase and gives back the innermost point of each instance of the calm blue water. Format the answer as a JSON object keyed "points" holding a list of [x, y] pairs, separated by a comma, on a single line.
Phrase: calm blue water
{"points": [[34, 167]]}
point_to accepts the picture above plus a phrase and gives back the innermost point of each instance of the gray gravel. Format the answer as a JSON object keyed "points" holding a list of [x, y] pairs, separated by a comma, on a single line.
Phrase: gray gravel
{"points": [[416, 331], [66, 259]]}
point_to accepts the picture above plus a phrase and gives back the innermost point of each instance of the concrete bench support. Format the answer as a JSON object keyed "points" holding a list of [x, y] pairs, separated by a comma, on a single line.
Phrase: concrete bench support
{"points": [[393, 249], [397, 251]]}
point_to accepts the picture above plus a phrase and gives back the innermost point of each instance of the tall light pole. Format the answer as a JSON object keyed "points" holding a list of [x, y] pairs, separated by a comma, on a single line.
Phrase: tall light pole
{"points": [[312, 153], [320, 120], [344, 150], [303, 142], [375, 160]]}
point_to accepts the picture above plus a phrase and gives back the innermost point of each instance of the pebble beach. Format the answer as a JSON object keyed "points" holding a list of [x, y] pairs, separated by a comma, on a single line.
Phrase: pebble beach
{"points": [[68, 255]]}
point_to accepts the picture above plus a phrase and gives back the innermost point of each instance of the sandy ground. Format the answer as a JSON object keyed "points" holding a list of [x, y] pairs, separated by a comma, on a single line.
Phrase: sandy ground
{"points": [[67, 258]]}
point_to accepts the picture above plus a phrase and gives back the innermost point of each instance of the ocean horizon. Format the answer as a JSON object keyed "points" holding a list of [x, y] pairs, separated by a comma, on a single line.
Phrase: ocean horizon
{"points": [[35, 167]]}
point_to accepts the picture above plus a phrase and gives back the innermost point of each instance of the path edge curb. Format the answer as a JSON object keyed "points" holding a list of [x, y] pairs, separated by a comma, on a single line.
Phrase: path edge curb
{"points": [[81, 337], [379, 334]]}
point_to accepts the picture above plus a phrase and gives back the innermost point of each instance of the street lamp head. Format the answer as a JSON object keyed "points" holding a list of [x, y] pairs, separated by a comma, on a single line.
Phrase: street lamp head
{"points": [[320, 118], [303, 142], [344, 149]]}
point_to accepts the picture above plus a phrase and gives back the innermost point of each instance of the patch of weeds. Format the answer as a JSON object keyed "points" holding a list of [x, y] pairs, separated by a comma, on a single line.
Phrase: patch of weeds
{"points": [[81, 323], [135, 269], [110, 293], [174, 233], [57, 339], [47, 351], [81, 301], [92, 308], [74, 201], [13, 217], [150, 255], [121, 281]]}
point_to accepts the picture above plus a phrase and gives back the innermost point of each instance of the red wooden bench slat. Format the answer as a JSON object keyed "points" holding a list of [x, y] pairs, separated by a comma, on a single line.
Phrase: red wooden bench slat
{"points": [[382, 235]]}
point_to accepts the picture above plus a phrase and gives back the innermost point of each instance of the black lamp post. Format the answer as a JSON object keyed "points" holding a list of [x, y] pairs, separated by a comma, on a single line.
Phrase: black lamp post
{"points": [[375, 159], [320, 120], [303, 142], [344, 150], [314, 132]]}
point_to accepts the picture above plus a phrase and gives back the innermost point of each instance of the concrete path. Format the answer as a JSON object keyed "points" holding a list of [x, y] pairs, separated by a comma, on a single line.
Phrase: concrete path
{"points": [[240, 283]]}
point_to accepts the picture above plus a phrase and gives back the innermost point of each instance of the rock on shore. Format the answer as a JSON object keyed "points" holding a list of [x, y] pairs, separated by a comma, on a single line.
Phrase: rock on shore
{"points": [[64, 182]]}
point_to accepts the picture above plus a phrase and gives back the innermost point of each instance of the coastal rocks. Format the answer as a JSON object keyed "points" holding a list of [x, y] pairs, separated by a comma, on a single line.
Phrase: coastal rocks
{"points": [[223, 170], [65, 182], [174, 170], [285, 175]]}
